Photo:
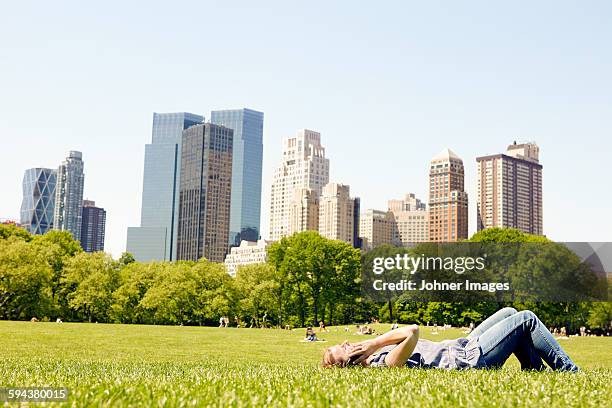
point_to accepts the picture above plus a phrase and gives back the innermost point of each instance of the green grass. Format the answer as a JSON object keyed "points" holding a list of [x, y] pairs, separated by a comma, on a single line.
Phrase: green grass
{"points": [[123, 365]]}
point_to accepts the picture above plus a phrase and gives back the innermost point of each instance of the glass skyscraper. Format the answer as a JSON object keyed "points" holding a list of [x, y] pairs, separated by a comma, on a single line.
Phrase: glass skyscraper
{"points": [[245, 208], [67, 214], [155, 239], [38, 200]]}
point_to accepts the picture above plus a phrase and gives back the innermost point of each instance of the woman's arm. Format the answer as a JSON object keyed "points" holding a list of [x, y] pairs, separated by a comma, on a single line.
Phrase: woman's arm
{"points": [[399, 336], [400, 354]]}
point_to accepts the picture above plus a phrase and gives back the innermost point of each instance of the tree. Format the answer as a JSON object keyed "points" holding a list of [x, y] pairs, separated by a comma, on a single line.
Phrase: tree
{"points": [[62, 247], [126, 259], [309, 265], [25, 278], [11, 230], [91, 278], [258, 292], [136, 278], [600, 315]]}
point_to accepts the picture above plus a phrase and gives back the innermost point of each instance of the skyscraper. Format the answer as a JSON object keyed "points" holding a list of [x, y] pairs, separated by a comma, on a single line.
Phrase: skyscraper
{"points": [[411, 220], [69, 195], [303, 211], [336, 213], [376, 228], [205, 193], [156, 237], [448, 202], [247, 159], [93, 227], [303, 166], [38, 200], [510, 189]]}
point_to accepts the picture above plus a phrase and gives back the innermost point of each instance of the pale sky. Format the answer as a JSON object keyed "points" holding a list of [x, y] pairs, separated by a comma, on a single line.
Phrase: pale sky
{"points": [[388, 85]]}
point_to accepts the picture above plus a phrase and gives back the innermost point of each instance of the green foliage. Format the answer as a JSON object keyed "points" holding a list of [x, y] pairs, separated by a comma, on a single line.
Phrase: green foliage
{"points": [[316, 274], [505, 235], [307, 278], [11, 230], [25, 278], [600, 316], [258, 290], [92, 279]]}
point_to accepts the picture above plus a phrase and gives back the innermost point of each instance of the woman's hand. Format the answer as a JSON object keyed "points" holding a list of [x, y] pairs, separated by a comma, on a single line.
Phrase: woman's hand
{"points": [[363, 349]]}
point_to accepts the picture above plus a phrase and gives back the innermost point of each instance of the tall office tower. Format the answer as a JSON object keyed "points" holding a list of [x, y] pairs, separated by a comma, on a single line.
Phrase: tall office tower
{"points": [[93, 227], [376, 228], [448, 202], [336, 215], [510, 189], [303, 166], [155, 239], [69, 195], [247, 154], [303, 211], [357, 242], [411, 220], [38, 200], [205, 193]]}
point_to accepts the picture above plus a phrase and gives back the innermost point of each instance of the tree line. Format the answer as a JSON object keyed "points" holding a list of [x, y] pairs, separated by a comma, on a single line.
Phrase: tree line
{"points": [[306, 279]]}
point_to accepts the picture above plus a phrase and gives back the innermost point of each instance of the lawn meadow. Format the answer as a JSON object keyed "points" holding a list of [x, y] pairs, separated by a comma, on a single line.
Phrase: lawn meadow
{"points": [[133, 365]]}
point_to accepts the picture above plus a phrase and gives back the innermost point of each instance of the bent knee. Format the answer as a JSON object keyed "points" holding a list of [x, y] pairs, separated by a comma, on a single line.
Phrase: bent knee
{"points": [[527, 315], [508, 311]]}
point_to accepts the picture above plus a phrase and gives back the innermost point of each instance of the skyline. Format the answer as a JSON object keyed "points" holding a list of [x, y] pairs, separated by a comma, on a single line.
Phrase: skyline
{"points": [[386, 92]]}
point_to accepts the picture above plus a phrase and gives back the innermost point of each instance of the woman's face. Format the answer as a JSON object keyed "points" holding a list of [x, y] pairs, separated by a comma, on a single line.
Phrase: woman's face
{"points": [[340, 354]]}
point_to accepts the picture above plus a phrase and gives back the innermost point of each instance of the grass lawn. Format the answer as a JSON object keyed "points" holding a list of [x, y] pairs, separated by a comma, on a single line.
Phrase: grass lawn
{"points": [[122, 365]]}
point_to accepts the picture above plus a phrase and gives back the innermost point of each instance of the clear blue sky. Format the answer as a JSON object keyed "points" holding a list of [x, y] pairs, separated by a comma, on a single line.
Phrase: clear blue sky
{"points": [[387, 84]]}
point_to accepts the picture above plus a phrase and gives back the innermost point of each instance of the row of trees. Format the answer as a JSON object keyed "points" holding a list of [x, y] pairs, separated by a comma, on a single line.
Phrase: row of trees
{"points": [[307, 279]]}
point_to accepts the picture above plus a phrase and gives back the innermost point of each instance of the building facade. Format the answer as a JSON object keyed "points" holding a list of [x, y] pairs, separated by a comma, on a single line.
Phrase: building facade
{"points": [[67, 213], [93, 227], [247, 253], [510, 189], [336, 213], [156, 238], [448, 201], [303, 211], [411, 220], [205, 193], [376, 228], [38, 200], [303, 166], [245, 211]]}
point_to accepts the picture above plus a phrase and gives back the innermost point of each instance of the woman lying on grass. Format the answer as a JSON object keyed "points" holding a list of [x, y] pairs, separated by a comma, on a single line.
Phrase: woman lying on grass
{"points": [[488, 346]]}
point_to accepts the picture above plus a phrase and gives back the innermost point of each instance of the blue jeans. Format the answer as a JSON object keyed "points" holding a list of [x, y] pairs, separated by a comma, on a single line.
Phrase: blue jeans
{"points": [[520, 333]]}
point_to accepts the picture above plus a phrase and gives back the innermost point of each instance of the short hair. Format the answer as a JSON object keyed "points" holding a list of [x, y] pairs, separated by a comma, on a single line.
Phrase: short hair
{"points": [[328, 360]]}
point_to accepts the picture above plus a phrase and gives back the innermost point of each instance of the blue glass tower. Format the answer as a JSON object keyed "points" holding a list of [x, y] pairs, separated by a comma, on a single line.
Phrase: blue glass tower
{"points": [[38, 200], [155, 239], [245, 208]]}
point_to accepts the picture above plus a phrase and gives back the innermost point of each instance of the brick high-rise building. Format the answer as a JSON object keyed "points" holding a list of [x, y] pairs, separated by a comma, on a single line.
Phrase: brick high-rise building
{"points": [[336, 213], [93, 227], [510, 189], [205, 193], [448, 201], [303, 166]]}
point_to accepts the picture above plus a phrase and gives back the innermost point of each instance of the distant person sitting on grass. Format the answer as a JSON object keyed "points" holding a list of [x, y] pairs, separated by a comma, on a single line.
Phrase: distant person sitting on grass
{"points": [[489, 345], [310, 334]]}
